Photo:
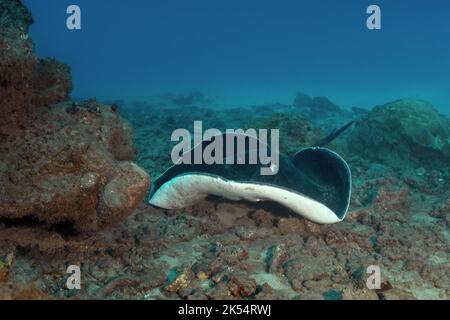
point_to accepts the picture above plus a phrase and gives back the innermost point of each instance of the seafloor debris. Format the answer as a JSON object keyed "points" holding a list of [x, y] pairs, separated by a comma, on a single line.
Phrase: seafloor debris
{"points": [[66, 175]]}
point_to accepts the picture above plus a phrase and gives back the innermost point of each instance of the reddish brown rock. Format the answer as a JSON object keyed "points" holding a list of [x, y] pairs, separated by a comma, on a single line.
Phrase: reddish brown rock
{"points": [[25, 81], [61, 170], [393, 201], [122, 194], [241, 286], [291, 225], [64, 167]]}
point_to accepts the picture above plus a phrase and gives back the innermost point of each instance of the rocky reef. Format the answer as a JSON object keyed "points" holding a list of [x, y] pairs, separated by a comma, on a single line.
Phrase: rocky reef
{"points": [[65, 169], [403, 133], [398, 220], [67, 177], [26, 82], [315, 107]]}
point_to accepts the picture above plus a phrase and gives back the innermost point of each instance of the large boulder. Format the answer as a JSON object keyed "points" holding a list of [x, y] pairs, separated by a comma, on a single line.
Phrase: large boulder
{"points": [[403, 133], [65, 167], [70, 167]]}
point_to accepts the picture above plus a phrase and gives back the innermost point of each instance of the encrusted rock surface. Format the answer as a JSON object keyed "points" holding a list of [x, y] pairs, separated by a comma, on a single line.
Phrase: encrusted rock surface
{"points": [[65, 168], [403, 133], [219, 249], [26, 82]]}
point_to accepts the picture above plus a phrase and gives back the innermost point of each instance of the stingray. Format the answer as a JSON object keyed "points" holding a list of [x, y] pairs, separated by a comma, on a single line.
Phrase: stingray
{"points": [[314, 183]]}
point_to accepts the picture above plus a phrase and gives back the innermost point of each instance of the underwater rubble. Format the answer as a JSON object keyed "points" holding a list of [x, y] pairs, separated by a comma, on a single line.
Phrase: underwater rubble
{"points": [[71, 195], [218, 249], [398, 220]]}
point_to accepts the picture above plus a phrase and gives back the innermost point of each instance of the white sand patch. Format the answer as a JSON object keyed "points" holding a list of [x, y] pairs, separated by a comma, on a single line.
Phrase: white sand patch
{"points": [[412, 282], [275, 282], [443, 258], [428, 293], [171, 261]]}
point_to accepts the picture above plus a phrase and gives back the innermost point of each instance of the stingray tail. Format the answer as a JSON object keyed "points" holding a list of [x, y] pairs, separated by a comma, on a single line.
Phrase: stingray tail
{"points": [[333, 135]]}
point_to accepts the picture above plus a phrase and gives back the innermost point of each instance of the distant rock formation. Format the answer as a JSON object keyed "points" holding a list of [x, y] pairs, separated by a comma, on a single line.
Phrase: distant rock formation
{"points": [[315, 107], [359, 111], [65, 168], [403, 133]]}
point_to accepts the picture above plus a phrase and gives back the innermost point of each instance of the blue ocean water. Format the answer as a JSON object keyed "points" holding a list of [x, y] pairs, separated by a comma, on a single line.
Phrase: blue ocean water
{"points": [[251, 52]]}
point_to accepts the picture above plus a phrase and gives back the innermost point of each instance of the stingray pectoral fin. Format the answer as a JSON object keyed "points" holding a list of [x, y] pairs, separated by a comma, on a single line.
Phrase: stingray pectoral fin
{"points": [[185, 190]]}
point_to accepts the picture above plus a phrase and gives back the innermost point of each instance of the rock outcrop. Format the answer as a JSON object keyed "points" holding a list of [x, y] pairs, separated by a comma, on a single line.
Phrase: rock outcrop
{"points": [[403, 133], [65, 168], [26, 82], [315, 107]]}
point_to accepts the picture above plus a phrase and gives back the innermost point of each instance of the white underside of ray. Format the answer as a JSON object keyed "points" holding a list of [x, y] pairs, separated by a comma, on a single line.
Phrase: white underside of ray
{"points": [[185, 190]]}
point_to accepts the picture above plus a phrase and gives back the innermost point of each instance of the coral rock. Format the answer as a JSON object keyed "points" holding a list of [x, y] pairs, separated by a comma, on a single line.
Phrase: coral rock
{"points": [[402, 133], [25, 81], [62, 166], [123, 193]]}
